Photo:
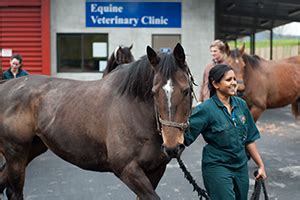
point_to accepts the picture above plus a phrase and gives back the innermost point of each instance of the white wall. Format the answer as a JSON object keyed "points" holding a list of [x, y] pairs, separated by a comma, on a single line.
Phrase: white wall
{"points": [[197, 32]]}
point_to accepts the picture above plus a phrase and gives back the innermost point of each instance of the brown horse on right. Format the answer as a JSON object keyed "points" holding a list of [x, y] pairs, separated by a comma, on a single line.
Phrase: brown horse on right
{"points": [[266, 83]]}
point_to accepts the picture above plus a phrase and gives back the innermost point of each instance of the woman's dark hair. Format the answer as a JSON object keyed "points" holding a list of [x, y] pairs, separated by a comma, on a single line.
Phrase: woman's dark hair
{"points": [[216, 74], [18, 57]]}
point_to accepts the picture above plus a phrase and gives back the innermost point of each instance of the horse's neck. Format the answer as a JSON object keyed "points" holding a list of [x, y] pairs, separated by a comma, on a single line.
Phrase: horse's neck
{"points": [[255, 73]]}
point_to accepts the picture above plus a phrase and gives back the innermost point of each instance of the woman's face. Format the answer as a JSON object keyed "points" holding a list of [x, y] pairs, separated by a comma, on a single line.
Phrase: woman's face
{"points": [[216, 54], [15, 64], [228, 85]]}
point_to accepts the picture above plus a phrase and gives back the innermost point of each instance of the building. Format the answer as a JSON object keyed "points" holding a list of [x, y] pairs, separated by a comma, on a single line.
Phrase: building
{"points": [[55, 38]]}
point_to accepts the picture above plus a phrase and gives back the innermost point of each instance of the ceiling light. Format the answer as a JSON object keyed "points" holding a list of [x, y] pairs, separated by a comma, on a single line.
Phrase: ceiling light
{"points": [[230, 6], [294, 12], [264, 22]]}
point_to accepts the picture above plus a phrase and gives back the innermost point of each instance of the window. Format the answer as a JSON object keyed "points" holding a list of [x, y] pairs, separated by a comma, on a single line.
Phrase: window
{"points": [[165, 42], [81, 52]]}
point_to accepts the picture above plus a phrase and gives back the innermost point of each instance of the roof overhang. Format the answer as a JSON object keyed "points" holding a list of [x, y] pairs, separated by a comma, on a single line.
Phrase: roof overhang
{"points": [[239, 18]]}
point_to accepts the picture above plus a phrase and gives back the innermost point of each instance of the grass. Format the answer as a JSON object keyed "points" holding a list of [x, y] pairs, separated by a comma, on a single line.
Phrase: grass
{"points": [[266, 43]]}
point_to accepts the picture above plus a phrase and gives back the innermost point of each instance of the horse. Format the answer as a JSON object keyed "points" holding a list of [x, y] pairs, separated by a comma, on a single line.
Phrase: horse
{"points": [[130, 124], [266, 83], [1, 70], [121, 55]]}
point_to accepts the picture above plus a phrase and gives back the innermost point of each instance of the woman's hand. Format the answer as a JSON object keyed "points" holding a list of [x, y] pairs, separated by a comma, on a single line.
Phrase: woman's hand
{"points": [[257, 159], [261, 173]]}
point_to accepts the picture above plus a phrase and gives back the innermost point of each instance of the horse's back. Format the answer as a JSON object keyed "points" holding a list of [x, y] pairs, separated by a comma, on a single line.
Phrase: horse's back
{"points": [[64, 113], [293, 59], [279, 81]]}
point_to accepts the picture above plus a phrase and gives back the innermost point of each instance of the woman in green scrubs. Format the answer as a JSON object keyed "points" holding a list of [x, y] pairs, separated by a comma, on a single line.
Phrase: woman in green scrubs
{"points": [[229, 130]]}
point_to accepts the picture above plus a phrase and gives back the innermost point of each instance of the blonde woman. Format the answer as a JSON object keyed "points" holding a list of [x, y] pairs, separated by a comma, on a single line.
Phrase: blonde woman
{"points": [[217, 52]]}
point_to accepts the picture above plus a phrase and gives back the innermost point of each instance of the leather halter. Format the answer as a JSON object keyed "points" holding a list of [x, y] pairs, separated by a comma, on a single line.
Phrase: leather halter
{"points": [[182, 126], [159, 122]]}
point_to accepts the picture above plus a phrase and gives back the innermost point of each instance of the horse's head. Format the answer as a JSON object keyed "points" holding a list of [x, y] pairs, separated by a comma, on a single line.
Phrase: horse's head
{"points": [[236, 61], [123, 55], [172, 90]]}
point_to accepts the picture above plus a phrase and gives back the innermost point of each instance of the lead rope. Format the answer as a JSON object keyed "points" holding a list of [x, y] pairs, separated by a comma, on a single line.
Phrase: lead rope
{"points": [[257, 188], [187, 175], [201, 192]]}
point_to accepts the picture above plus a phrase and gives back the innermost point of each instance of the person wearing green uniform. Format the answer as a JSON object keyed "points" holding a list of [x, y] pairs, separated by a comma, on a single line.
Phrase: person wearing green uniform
{"points": [[15, 70], [229, 130]]}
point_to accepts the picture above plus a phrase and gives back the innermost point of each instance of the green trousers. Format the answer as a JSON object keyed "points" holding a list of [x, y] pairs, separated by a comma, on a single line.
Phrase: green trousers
{"points": [[224, 183]]}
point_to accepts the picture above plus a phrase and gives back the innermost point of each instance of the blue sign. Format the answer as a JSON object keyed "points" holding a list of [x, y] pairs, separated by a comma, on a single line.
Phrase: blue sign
{"points": [[133, 14]]}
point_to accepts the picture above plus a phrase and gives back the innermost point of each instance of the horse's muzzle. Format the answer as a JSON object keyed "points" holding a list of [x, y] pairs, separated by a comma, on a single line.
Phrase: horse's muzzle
{"points": [[173, 152]]}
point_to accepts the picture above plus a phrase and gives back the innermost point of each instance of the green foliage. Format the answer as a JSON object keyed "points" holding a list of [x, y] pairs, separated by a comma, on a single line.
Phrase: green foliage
{"points": [[266, 43]]}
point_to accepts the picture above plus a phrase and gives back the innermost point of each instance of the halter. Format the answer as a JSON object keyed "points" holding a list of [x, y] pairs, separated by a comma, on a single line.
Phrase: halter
{"points": [[182, 126], [240, 81], [159, 121]]}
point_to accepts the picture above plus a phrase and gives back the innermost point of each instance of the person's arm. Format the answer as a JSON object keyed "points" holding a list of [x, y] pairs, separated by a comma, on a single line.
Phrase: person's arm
{"points": [[197, 123], [252, 149], [204, 86]]}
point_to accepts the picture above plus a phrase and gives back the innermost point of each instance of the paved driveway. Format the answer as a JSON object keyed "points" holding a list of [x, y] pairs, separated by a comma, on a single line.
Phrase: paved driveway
{"points": [[50, 178]]}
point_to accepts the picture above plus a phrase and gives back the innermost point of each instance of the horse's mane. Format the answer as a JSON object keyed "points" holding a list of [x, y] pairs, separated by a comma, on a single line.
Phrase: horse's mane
{"points": [[111, 64], [251, 60], [138, 80], [121, 55]]}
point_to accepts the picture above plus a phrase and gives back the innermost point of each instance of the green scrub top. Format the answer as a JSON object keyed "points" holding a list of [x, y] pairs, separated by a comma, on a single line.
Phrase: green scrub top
{"points": [[226, 135], [8, 74]]}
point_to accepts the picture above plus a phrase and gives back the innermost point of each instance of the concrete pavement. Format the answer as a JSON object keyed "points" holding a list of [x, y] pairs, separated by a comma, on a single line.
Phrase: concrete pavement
{"points": [[50, 178]]}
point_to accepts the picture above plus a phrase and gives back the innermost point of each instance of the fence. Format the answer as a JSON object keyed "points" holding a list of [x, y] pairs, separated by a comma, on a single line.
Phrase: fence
{"points": [[279, 52]]}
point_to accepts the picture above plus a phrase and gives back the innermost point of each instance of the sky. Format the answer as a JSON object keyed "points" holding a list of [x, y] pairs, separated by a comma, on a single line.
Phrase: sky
{"points": [[289, 29]]}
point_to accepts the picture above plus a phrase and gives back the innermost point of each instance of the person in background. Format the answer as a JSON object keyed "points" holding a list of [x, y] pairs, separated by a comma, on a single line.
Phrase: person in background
{"points": [[15, 70], [229, 130], [217, 51]]}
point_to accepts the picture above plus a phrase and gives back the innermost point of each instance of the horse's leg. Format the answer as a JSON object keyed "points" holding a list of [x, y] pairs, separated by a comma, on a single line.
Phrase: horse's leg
{"points": [[2, 175], [256, 112], [155, 176], [36, 149], [295, 109], [16, 161], [135, 178]]}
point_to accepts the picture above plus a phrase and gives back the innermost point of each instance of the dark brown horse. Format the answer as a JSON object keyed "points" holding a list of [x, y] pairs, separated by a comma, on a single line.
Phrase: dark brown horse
{"points": [[121, 55], [266, 83], [131, 124], [1, 70]]}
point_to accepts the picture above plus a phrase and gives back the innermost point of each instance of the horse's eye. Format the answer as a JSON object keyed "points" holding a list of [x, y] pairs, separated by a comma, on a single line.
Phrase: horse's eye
{"points": [[186, 92]]}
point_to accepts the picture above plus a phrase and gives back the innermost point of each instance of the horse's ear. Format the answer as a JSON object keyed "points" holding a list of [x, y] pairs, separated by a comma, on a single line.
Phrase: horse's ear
{"points": [[242, 49], [116, 52], [179, 54], [130, 47], [152, 56], [227, 49]]}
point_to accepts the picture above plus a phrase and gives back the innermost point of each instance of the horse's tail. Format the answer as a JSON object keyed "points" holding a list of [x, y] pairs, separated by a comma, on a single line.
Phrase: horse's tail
{"points": [[295, 108]]}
